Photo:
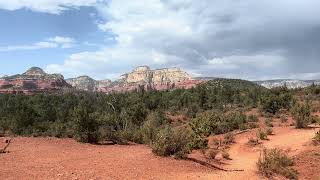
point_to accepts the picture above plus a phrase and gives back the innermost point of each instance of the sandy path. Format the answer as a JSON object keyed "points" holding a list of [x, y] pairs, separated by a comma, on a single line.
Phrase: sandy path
{"points": [[245, 157]]}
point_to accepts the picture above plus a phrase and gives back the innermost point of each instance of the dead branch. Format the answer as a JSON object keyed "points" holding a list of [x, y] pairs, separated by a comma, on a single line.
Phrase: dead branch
{"points": [[213, 166], [241, 132], [3, 150]]}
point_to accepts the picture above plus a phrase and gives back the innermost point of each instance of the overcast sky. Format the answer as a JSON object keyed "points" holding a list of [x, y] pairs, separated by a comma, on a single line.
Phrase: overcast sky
{"points": [[248, 39]]}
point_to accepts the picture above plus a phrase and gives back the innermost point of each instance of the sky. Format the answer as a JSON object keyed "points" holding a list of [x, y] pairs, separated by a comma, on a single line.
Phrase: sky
{"points": [[247, 39]]}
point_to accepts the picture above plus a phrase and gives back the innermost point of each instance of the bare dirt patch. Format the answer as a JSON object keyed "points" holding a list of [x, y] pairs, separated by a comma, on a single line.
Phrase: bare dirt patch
{"points": [[52, 158], [308, 163]]}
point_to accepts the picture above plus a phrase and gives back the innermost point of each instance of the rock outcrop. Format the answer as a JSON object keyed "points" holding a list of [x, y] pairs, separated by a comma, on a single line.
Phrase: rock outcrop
{"points": [[141, 78], [33, 80], [144, 74], [86, 83], [144, 78], [289, 83]]}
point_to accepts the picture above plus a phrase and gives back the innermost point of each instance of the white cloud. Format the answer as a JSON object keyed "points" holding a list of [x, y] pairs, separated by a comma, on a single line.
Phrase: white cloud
{"points": [[64, 42], [46, 6], [55, 42], [247, 39]]}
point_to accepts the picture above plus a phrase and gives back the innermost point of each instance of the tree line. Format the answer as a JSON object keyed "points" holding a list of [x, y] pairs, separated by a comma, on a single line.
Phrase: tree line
{"points": [[142, 116]]}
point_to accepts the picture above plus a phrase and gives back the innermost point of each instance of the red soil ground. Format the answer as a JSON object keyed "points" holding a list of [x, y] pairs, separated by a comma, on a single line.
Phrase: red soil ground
{"points": [[52, 158]]}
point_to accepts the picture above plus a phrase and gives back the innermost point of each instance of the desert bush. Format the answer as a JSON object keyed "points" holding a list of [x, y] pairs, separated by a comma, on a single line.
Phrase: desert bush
{"points": [[226, 155], [211, 153], [253, 125], [316, 139], [283, 118], [268, 115], [302, 115], [197, 141], [215, 122], [172, 142], [228, 138], [243, 127], [85, 124], [268, 122], [151, 126], [262, 135], [252, 118], [216, 142], [269, 131], [276, 161], [314, 119], [253, 141]]}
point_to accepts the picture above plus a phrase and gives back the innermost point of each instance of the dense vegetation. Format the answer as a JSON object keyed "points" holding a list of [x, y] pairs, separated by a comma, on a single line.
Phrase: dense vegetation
{"points": [[143, 117]]}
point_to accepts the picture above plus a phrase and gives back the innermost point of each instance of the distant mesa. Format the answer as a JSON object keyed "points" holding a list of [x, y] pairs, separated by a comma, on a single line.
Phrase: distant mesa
{"points": [[289, 83], [86, 83], [33, 80], [141, 77]]}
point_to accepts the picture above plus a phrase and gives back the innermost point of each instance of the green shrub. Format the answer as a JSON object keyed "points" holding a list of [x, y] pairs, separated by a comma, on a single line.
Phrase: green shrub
{"points": [[172, 142], [215, 122], [216, 142], [314, 119], [253, 118], [302, 115], [253, 141], [262, 135], [316, 139], [228, 138], [151, 126], [283, 118], [269, 131], [226, 155], [211, 153], [253, 125], [86, 126], [268, 122], [243, 127], [275, 161], [268, 115]]}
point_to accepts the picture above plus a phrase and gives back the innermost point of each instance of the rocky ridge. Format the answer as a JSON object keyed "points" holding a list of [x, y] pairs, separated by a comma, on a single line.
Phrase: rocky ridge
{"points": [[86, 83], [290, 83], [141, 77], [33, 80]]}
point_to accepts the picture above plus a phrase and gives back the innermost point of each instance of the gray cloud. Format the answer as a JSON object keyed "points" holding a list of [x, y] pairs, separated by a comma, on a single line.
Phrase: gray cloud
{"points": [[245, 39]]}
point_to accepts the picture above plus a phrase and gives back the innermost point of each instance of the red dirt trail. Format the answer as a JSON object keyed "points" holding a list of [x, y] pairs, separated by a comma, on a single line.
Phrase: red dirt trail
{"points": [[52, 158]]}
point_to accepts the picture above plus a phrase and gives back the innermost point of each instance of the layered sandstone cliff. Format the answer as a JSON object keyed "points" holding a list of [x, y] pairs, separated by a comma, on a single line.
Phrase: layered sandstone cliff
{"points": [[141, 78], [86, 83], [33, 80], [144, 78], [144, 74]]}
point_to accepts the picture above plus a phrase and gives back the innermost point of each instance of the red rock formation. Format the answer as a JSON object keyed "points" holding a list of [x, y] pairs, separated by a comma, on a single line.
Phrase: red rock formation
{"points": [[142, 78], [32, 81], [185, 84]]}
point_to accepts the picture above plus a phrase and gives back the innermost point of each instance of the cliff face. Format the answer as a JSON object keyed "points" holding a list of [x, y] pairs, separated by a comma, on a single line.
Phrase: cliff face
{"points": [[143, 74], [87, 84], [290, 83], [36, 80], [33, 80], [160, 79]]}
